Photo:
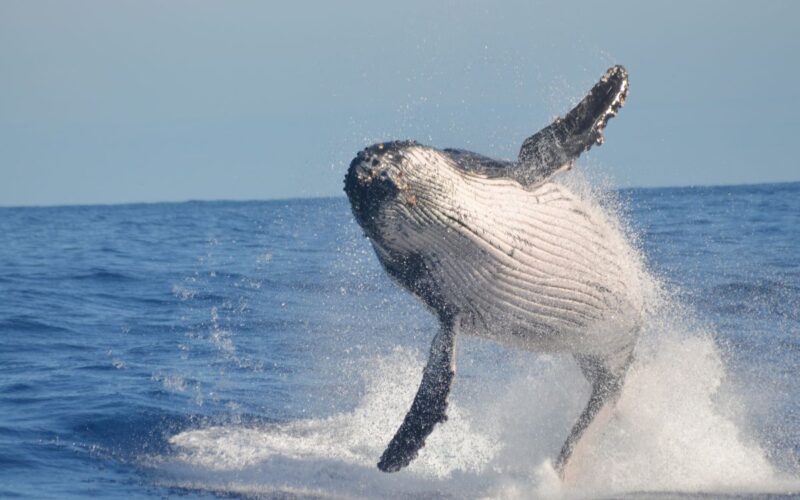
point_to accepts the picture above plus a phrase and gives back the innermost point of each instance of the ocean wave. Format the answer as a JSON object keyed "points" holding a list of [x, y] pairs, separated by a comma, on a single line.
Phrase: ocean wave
{"points": [[28, 324], [762, 297], [104, 275]]}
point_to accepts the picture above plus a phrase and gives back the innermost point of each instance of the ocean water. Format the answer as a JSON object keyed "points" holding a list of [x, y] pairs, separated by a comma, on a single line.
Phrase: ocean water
{"points": [[225, 349]]}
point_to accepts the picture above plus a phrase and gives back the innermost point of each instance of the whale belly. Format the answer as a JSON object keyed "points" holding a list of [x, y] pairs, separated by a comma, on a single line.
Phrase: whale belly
{"points": [[541, 270]]}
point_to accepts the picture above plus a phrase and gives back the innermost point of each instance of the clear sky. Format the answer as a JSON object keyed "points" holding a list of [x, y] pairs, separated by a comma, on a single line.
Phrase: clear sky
{"points": [[122, 101]]}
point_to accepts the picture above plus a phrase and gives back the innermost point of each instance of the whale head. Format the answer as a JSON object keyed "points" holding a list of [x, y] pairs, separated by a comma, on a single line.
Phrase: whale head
{"points": [[395, 189]]}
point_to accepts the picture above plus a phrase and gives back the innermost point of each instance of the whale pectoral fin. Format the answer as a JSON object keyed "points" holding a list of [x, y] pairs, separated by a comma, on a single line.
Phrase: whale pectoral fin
{"points": [[606, 387], [429, 406], [556, 146]]}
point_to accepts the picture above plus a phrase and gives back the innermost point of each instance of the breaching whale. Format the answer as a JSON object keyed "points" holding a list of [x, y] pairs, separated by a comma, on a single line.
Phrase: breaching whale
{"points": [[500, 250]]}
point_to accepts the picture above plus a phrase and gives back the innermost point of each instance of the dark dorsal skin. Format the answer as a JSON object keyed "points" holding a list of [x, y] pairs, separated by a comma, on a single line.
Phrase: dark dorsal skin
{"points": [[542, 155], [479, 164]]}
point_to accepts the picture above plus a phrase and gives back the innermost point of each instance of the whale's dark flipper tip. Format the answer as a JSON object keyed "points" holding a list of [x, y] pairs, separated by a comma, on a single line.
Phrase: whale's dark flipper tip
{"points": [[614, 84], [616, 71], [395, 460]]}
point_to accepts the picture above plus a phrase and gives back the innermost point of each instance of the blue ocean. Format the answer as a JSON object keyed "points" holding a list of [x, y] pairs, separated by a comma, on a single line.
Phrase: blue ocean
{"points": [[257, 349]]}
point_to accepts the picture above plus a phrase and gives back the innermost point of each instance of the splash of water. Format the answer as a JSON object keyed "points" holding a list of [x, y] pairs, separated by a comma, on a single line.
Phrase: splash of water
{"points": [[667, 434]]}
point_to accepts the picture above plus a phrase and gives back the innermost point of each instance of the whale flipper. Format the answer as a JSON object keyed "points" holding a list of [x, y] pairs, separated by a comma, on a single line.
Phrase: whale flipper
{"points": [[556, 146], [430, 403]]}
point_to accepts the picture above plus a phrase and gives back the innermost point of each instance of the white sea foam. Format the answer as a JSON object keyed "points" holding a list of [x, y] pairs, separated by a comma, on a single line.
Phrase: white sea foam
{"points": [[668, 433]]}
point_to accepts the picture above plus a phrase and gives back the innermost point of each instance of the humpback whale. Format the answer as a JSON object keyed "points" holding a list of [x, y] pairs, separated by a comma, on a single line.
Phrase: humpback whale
{"points": [[502, 250]]}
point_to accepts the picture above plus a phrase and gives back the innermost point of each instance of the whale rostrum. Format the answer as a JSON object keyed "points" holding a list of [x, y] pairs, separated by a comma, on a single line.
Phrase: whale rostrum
{"points": [[501, 250]]}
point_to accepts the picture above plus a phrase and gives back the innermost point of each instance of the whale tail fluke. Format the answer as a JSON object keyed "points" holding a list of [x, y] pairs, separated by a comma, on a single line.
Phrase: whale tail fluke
{"points": [[556, 146]]}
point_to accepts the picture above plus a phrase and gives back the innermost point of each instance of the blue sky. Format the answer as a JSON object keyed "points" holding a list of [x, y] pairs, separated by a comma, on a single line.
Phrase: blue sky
{"points": [[125, 101]]}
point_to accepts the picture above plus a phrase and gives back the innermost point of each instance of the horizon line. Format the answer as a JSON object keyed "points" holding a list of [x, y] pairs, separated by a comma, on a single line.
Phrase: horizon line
{"points": [[324, 197]]}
